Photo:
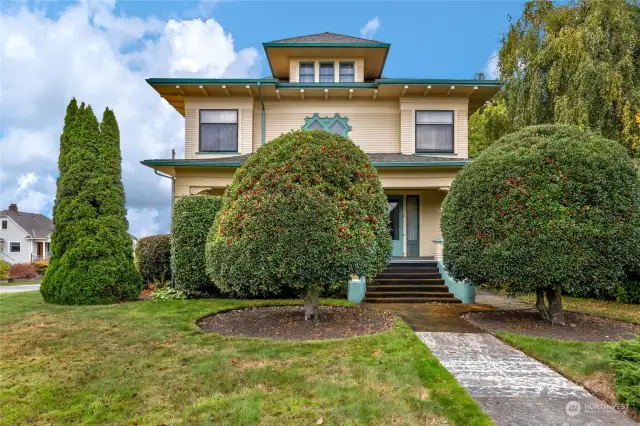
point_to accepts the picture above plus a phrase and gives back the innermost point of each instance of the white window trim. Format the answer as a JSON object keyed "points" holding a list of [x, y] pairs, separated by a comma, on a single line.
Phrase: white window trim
{"points": [[2, 222], [19, 245]]}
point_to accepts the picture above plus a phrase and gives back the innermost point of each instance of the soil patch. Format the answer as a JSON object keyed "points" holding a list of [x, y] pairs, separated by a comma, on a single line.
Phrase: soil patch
{"points": [[287, 323], [580, 327]]}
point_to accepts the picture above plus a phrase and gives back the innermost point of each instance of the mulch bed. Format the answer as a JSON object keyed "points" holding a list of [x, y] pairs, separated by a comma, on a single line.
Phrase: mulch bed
{"points": [[287, 323], [581, 327]]}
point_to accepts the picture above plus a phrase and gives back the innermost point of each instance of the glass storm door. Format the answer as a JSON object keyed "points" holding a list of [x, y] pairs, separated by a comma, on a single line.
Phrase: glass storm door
{"points": [[394, 207], [413, 225]]}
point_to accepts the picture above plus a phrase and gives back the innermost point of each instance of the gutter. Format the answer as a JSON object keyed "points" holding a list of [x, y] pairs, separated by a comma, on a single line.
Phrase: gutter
{"points": [[264, 114]]}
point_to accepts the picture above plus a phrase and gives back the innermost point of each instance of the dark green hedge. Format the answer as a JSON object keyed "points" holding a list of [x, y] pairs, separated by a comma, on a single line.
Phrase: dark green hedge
{"points": [[153, 257], [546, 206], [191, 222], [305, 211]]}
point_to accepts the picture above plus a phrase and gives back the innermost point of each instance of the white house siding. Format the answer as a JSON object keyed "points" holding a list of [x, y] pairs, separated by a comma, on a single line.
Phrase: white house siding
{"points": [[14, 233]]}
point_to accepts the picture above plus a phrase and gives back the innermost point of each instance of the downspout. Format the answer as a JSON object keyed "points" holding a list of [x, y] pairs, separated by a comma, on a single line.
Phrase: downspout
{"points": [[264, 114], [173, 194]]}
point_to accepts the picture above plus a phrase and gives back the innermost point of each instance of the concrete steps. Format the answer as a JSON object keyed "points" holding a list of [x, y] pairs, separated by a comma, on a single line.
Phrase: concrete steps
{"points": [[409, 282]]}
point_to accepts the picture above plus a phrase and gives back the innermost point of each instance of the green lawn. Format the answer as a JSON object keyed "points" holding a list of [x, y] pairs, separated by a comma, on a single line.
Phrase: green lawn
{"points": [[619, 311], [148, 363], [21, 283]]}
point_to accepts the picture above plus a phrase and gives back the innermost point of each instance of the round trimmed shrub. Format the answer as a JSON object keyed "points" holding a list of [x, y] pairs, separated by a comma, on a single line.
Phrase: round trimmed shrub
{"points": [[305, 211], [547, 209], [153, 257], [190, 225]]}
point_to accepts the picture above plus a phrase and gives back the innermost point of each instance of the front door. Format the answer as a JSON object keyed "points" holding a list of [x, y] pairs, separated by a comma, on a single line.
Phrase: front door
{"points": [[394, 207], [39, 249], [413, 225]]}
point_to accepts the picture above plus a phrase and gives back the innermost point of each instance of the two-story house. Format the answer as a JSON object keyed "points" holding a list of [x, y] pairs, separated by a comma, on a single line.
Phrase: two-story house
{"points": [[24, 237], [413, 130]]}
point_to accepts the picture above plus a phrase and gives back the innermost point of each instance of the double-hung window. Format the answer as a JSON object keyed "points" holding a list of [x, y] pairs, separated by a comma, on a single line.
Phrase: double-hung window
{"points": [[307, 72], [219, 130], [14, 247], [347, 72], [327, 74], [434, 131], [4, 224]]}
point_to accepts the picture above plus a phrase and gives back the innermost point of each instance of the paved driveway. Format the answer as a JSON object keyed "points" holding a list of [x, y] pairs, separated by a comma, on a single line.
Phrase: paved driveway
{"points": [[19, 288]]}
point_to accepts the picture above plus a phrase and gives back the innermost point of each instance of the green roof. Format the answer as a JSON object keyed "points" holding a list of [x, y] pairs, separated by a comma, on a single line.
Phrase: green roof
{"points": [[378, 160]]}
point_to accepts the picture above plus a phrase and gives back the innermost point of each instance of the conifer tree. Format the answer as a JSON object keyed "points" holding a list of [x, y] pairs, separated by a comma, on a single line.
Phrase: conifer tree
{"points": [[92, 259]]}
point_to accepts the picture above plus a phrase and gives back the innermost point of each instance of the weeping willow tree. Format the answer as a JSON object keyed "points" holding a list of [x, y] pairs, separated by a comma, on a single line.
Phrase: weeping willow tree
{"points": [[573, 64]]}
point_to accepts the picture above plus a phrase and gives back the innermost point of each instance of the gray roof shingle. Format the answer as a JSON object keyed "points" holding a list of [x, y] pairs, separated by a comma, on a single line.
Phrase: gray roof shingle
{"points": [[325, 37], [35, 224]]}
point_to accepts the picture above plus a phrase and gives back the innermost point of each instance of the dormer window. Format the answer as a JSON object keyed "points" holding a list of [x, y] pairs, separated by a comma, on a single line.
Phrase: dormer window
{"points": [[347, 72], [307, 72], [327, 74]]}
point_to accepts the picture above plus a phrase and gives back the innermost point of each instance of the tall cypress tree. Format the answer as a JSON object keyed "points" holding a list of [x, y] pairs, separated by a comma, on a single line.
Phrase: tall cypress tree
{"points": [[92, 259]]}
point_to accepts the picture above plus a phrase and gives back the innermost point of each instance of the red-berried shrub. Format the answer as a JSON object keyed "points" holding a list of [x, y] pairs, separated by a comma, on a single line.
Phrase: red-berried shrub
{"points": [[23, 270]]}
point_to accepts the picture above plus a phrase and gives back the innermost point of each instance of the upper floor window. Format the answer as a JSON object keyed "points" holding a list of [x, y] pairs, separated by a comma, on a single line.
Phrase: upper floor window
{"points": [[4, 224], [327, 74], [219, 130], [434, 131], [347, 72], [307, 72], [14, 247]]}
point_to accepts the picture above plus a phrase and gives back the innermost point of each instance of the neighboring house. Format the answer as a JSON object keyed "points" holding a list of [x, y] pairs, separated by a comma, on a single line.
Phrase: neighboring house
{"points": [[24, 237], [414, 129]]}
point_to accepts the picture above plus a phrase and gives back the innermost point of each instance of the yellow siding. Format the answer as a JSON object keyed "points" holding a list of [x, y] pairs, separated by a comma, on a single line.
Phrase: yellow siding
{"points": [[193, 105], [460, 105], [375, 124], [419, 178], [193, 181], [407, 143], [294, 68]]}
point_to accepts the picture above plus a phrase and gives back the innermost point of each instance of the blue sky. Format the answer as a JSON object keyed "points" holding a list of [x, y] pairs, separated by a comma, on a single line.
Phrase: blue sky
{"points": [[100, 52], [431, 39]]}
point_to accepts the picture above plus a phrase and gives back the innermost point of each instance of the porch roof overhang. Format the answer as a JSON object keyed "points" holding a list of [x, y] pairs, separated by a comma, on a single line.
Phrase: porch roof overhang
{"points": [[174, 90], [379, 160]]}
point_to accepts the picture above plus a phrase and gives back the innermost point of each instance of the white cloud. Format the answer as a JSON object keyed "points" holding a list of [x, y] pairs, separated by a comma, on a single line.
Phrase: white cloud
{"points": [[79, 53], [370, 28], [25, 180], [491, 71]]}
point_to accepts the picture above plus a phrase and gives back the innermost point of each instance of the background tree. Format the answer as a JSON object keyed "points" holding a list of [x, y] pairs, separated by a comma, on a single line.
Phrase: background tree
{"points": [[545, 209], [571, 64], [92, 259], [304, 212]]}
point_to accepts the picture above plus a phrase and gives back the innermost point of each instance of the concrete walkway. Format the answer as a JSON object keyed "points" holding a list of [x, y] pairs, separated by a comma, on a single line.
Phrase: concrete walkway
{"points": [[513, 388], [19, 288], [500, 302]]}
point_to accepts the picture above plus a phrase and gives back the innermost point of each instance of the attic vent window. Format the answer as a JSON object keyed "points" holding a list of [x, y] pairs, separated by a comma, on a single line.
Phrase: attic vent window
{"points": [[335, 124]]}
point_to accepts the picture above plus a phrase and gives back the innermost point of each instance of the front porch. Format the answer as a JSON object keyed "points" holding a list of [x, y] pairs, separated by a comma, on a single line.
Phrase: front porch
{"points": [[414, 216]]}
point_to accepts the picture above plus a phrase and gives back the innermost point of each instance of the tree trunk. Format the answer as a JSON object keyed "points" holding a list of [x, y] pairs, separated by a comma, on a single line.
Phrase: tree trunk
{"points": [[543, 311], [311, 300], [554, 296]]}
